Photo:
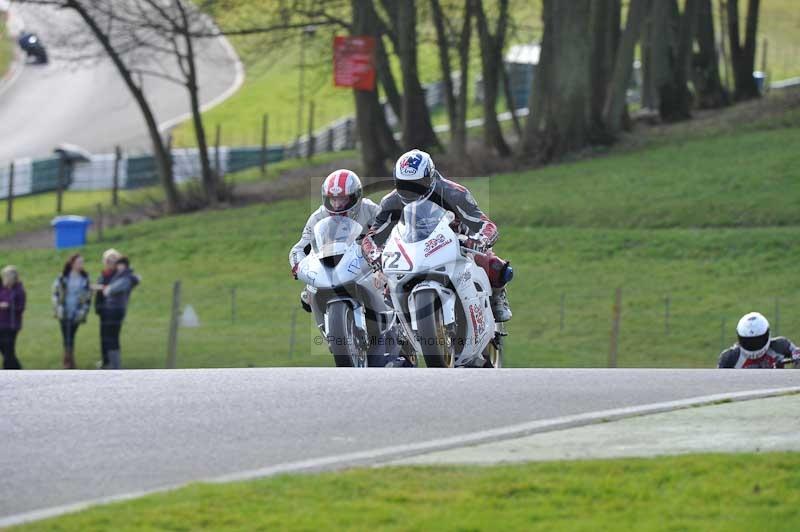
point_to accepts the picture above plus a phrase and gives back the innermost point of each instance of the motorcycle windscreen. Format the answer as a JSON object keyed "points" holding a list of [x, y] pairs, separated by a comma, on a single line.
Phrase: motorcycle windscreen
{"points": [[420, 219], [334, 235]]}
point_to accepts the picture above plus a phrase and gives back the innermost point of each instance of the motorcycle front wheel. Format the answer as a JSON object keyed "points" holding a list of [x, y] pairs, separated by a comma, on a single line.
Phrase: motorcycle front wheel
{"points": [[437, 346], [341, 337]]}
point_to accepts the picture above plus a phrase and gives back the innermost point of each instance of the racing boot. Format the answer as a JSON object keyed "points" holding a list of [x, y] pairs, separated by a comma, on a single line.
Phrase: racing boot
{"points": [[500, 308], [305, 299]]}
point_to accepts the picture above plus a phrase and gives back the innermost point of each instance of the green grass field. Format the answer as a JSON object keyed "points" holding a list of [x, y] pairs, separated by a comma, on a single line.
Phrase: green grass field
{"points": [[716, 233], [272, 68], [694, 492], [6, 47]]}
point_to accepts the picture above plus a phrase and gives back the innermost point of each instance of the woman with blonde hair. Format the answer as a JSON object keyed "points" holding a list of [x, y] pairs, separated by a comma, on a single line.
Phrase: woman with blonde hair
{"points": [[12, 305], [110, 257], [71, 299]]}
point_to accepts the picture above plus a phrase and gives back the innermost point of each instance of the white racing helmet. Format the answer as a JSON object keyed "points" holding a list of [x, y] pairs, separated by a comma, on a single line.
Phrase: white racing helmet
{"points": [[341, 193], [753, 333], [415, 176]]}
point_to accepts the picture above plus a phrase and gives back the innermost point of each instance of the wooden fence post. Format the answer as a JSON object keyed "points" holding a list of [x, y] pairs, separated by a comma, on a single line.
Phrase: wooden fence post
{"points": [[777, 317], [10, 197], [62, 169], [115, 184], [311, 139], [99, 224], [293, 333], [722, 334], [616, 314], [172, 347], [233, 304], [217, 141], [264, 128]]}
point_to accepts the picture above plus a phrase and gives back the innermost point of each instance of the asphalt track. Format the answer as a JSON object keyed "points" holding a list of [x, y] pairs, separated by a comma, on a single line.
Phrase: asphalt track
{"points": [[73, 437], [87, 103]]}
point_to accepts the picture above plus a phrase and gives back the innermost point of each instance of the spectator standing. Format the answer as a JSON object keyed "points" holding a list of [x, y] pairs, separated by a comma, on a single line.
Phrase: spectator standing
{"points": [[12, 306], [110, 257], [71, 300], [116, 295]]}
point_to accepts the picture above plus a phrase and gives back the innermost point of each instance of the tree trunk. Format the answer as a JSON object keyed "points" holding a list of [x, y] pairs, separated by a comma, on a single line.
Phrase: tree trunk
{"points": [[743, 60], [443, 46], [616, 97], [417, 127], [459, 143], [509, 96], [209, 177], [491, 63], [386, 78], [705, 63], [163, 158], [659, 62], [676, 99], [560, 119], [606, 20], [377, 142]]}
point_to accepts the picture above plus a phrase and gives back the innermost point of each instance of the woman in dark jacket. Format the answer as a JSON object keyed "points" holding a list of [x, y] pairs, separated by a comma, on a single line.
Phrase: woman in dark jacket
{"points": [[71, 300], [12, 305], [116, 291]]}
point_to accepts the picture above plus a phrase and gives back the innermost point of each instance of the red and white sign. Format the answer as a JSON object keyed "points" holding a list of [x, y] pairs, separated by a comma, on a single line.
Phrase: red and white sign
{"points": [[354, 62]]}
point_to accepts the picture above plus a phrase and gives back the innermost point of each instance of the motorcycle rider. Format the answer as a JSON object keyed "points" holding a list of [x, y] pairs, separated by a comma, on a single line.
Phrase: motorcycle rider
{"points": [[415, 178], [755, 348], [342, 195]]}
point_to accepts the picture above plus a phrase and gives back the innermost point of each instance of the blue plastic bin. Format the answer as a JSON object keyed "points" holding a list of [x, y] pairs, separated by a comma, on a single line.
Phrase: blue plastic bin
{"points": [[70, 231], [761, 81]]}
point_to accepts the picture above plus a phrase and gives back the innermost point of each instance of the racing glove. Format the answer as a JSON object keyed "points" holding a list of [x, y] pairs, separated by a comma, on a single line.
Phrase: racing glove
{"points": [[374, 258], [294, 270], [477, 243]]}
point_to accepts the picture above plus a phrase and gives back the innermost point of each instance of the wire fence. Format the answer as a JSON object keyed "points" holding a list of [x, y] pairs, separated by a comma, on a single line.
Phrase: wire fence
{"points": [[237, 325]]}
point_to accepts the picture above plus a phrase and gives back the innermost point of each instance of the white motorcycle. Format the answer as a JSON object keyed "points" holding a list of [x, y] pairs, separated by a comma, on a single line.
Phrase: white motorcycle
{"points": [[346, 298], [438, 291]]}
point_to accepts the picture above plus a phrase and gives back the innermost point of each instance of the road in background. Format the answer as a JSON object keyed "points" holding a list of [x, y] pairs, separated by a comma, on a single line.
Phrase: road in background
{"points": [[88, 104], [83, 435]]}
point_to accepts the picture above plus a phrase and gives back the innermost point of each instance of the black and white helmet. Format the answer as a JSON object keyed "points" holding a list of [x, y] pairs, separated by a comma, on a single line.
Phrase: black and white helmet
{"points": [[415, 176], [753, 333]]}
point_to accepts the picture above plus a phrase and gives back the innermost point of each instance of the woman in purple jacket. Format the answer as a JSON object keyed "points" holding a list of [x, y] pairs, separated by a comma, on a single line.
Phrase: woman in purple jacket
{"points": [[12, 305]]}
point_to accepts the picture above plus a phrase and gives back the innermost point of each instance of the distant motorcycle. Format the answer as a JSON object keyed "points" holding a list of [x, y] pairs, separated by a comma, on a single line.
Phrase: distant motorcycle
{"points": [[32, 45]]}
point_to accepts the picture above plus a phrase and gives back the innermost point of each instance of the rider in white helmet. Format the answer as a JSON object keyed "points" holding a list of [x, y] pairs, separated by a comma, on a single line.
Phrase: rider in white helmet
{"points": [[756, 348], [342, 195], [415, 178]]}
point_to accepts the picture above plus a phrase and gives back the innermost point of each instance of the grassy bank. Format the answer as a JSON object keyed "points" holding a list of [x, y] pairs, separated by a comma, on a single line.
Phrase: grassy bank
{"points": [[716, 234], [6, 46], [695, 492]]}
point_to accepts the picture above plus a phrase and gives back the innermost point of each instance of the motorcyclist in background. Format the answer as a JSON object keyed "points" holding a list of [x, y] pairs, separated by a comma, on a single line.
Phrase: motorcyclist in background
{"points": [[755, 348], [342, 195], [415, 178]]}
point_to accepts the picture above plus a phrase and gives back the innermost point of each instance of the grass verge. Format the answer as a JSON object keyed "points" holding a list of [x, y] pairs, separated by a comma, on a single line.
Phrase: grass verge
{"points": [[693, 492], [6, 47], [678, 238]]}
